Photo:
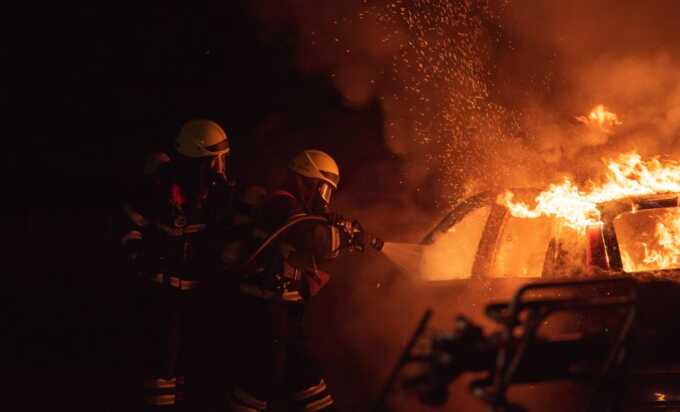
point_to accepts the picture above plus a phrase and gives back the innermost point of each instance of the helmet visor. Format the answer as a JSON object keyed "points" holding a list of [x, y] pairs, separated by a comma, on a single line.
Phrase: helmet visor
{"points": [[331, 176], [326, 192], [218, 147]]}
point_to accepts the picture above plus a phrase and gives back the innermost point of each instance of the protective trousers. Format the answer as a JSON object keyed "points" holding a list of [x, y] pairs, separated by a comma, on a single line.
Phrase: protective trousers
{"points": [[170, 318], [274, 368]]}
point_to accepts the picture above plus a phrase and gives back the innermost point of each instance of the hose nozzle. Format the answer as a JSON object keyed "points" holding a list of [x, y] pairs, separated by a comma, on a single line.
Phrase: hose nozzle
{"points": [[376, 243], [357, 237]]}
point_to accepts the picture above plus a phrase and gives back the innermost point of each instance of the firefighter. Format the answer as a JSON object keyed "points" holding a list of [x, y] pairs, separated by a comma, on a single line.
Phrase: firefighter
{"points": [[294, 232], [182, 207]]}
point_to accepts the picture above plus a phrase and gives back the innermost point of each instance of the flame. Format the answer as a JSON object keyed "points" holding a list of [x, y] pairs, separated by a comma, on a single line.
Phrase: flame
{"points": [[659, 396], [629, 175], [666, 252], [601, 119]]}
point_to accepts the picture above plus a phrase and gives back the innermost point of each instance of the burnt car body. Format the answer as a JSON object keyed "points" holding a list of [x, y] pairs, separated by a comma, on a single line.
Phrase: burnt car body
{"points": [[508, 248]]}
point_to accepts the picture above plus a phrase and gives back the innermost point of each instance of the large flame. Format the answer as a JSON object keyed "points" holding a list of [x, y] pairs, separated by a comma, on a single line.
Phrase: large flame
{"points": [[629, 175], [601, 119], [666, 253]]}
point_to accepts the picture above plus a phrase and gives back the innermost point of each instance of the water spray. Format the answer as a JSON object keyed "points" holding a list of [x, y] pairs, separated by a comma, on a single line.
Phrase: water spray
{"points": [[407, 256]]}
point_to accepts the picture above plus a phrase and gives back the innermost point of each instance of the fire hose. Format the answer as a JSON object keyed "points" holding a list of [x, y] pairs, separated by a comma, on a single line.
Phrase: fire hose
{"points": [[353, 230]]}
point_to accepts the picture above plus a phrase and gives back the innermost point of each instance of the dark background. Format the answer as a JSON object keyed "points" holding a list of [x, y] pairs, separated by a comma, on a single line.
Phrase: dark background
{"points": [[103, 86], [98, 88]]}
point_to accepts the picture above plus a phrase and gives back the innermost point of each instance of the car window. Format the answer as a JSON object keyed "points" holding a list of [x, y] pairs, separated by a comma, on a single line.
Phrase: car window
{"points": [[452, 255], [522, 246], [649, 239], [568, 256]]}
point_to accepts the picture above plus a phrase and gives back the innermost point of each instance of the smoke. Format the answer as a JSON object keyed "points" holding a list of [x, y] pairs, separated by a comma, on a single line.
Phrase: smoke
{"points": [[484, 94], [621, 54], [427, 64]]}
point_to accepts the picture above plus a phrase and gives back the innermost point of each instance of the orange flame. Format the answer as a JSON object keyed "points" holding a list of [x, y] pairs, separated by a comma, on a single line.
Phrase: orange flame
{"points": [[629, 175], [666, 253], [600, 119]]}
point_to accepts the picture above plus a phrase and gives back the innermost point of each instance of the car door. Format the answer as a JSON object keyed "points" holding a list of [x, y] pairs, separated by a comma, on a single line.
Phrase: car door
{"points": [[481, 239]]}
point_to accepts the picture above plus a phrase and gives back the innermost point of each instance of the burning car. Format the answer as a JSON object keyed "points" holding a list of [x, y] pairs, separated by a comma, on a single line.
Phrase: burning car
{"points": [[488, 241], [635, 236], [629, 224]]}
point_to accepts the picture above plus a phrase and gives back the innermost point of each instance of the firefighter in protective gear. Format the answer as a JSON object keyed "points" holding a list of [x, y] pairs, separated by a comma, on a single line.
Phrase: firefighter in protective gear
{"points": [[181, 209], [273, 365]]}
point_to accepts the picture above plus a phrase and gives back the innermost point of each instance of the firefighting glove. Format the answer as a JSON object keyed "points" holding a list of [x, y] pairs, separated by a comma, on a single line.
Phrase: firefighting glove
{"points": [[352, 235]]}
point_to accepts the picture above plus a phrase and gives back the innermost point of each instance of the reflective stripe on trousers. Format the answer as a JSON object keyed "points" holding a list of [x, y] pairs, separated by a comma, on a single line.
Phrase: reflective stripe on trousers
{"points": [[313, 398], [163, 391], [242, 401], [174, 281]]}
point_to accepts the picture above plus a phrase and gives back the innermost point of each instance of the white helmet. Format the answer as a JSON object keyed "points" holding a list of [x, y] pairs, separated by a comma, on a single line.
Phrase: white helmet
{"points": [[202, 138], [316, 164]]}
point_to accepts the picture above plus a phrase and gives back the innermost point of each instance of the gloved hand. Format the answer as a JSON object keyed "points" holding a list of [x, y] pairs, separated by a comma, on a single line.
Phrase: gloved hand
{"points": [[353, 235], [358, 239]]}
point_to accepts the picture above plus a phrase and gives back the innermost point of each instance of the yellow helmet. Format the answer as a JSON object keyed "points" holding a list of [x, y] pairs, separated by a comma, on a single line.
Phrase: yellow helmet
{"points": [[202, 138], [316, 164]]}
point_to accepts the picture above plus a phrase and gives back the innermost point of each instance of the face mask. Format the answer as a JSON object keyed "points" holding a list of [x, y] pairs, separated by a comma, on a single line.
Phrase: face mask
{"points": [[325, 192], [218, 164]]}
